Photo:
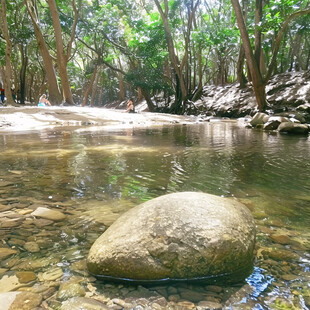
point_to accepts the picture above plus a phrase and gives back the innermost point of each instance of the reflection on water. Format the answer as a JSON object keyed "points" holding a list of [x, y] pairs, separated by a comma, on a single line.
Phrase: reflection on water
{"points": [[93, 177]]}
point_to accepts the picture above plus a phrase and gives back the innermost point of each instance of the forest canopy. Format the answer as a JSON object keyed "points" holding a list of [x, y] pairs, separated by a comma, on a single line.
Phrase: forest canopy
{"points": [[93, 52]]}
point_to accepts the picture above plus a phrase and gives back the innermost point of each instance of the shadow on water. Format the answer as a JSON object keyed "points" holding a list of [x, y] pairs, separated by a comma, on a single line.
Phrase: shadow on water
{"points": [[94, 177]]}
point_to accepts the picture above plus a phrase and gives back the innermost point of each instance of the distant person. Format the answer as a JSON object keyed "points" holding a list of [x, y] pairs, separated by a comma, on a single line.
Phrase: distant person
{"points": [[13, 94], [130, 106], [43, 102], [2, 94]]}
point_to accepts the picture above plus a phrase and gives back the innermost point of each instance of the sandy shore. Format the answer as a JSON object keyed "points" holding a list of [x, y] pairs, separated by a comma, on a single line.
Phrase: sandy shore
{"points": [[35, 118]]}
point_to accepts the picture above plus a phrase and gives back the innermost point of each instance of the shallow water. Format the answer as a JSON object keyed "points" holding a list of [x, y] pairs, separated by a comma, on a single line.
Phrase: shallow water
{"points": [[94, 176]]}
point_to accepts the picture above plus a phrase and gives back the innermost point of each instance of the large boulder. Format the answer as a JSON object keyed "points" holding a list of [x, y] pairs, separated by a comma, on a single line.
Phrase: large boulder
{"points": [[293, 128], [259, 119], [178, 236]]}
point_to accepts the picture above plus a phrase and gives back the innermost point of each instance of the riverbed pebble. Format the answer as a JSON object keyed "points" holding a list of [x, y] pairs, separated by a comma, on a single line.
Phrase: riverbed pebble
{"points": [[6, 252], [49, 214]]}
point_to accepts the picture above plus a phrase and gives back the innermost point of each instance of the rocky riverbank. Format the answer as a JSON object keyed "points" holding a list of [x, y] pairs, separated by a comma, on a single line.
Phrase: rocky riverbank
{"points": [[288, 95]]}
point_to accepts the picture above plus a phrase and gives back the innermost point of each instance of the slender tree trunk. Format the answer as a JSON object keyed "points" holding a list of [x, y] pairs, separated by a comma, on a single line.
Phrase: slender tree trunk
{"points": [[94, 88], [140, 95], [6, 72], [257, 80], [121, 94], [258, 32], [148, 99], [90, 86], [22, 74], [55, 96], [200, 68], [181, 89], [240, 74], [62, 57], [278, 40], [308, 59]]}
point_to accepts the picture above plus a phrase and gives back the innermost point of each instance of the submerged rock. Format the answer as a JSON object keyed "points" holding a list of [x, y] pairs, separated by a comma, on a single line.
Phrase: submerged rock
{"points": [[83, 303], [48, 214], [178, 236], [19, 300], [6, 252]]}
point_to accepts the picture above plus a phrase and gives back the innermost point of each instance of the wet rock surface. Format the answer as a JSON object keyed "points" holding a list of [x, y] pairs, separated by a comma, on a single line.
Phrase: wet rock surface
{"points": [[282, 124]]}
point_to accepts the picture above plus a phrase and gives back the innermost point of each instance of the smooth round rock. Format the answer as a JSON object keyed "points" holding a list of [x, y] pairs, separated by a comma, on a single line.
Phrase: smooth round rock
{"points": [[180, 236]]}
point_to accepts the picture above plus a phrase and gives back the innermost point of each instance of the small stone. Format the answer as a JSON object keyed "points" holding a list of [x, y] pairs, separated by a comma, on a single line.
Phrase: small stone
{"points": [[9, 283], [24, 211], [42, 222], [79, 265], [68, 290], [6, 299], [186, 304], [289, 277], [83, 303], [25, 276], [29, 263], [26, 301], [49, 214], [191, 295], [161, 301], [10, 223], [4, 183], [214, 288], [210, 305], [17, 172], [4, 208], [281, 239], [51, 275], [6, 252], [174, 297], [282, 255], [15, 241], [31, 247]]}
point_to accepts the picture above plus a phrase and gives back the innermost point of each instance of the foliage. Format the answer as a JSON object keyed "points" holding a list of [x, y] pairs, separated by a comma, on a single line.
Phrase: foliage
{"points": [[127, 37]]}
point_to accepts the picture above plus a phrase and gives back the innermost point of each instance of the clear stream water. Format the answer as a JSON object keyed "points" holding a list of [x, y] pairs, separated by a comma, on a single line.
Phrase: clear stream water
{"points": [[94, 176]]}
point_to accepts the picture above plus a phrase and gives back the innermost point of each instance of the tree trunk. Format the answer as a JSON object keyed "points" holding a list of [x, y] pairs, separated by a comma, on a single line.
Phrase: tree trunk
{"points": [[175, 62], [257, 81], [258, 32], [90, 86], [240, 74], [121, 94], [6, 72], [55, 96], [62, 57], [22, 74], [94, 88], [148, 99]]}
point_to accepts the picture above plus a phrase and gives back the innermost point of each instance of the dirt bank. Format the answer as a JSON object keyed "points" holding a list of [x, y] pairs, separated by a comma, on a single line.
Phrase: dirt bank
{"points": [[35, 118]]}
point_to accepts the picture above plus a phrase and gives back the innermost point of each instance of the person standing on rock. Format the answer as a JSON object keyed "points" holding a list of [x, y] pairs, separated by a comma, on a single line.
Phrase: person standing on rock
{"points": [[2, 94], [43, 102], [130, 106]]}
